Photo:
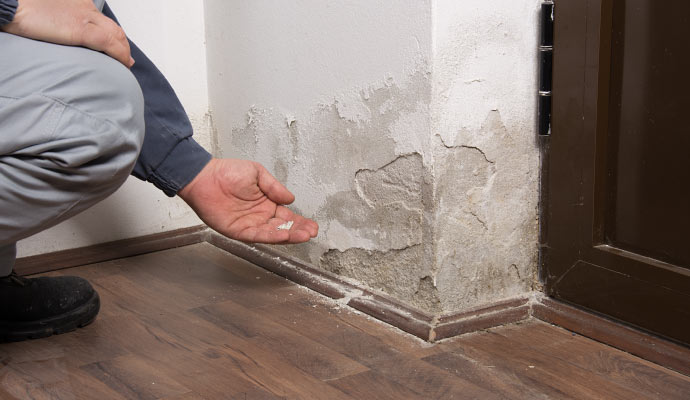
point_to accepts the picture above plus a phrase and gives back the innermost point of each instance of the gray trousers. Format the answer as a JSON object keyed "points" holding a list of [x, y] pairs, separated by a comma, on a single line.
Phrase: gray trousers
{"points": [[71, 128]]}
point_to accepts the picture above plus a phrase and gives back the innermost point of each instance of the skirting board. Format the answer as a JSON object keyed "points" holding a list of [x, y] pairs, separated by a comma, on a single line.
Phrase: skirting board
{"points": [[384, 308], [110, 251], [408, 319]]}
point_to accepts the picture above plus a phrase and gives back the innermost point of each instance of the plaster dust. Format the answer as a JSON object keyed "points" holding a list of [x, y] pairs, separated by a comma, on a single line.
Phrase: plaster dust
{"points": [[286, 226], [339, 306]]}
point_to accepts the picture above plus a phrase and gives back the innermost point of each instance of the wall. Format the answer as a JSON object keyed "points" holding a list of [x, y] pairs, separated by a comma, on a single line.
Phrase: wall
{"points": [[486, 158], [405, 128], [172, 34]]}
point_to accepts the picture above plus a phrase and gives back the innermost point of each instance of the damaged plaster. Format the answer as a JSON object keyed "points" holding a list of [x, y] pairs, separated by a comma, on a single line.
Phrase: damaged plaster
{"points": [[492, 217], [404, 129], [372, 189], [395, 272]]}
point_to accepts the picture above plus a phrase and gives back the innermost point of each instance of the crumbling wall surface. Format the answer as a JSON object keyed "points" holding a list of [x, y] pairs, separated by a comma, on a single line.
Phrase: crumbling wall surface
{"points": [[486, 160], [417, 162], [333, 97]]}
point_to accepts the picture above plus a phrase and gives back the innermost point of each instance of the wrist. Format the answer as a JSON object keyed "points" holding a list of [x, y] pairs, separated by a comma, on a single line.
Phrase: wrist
{"points": [[186, 192]]}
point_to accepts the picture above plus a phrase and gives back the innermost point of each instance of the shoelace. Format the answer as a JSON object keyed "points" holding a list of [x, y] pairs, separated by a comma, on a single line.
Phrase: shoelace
{"points": [[14, 279]]}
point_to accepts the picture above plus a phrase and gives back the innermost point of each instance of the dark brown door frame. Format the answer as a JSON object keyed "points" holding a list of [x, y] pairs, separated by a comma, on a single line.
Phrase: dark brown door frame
{"points": [[579, 264]]}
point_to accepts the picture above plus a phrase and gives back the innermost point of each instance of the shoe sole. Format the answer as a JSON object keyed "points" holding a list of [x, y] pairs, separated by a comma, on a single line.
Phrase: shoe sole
{"points": [[63, 323]]}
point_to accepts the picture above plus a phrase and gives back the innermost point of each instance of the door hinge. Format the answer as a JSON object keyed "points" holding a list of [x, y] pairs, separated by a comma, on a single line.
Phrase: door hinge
{"points": [[545, 67]]}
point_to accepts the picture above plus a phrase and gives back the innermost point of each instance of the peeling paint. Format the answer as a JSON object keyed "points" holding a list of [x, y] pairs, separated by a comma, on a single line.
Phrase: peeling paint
{"points": [[491, 215], [424, 179]]}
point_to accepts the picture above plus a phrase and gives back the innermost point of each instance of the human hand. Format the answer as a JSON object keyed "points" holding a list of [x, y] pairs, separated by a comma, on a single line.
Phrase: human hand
{"points": [[242, 200], [70, 22]]}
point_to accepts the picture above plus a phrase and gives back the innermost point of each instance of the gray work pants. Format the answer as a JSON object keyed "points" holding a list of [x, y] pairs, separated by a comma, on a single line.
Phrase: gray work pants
{"points": [[71, 128]]}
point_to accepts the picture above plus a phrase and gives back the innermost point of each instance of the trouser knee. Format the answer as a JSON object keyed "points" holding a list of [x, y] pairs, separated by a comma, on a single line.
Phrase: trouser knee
{"points": [[110, 117], [72, 131]]}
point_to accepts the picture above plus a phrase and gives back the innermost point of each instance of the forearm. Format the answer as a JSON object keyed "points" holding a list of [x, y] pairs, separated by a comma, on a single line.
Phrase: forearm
{"points": [[170, 158]]}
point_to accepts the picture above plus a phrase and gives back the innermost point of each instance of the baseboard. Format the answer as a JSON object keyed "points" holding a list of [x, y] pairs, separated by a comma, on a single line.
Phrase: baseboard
{"points": [[496, 314], [110, 251], [615, 334], [409, 320], [377, 305]]}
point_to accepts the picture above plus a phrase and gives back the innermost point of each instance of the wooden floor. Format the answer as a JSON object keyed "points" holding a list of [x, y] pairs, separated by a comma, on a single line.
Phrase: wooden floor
{"points": [[198, 323]]}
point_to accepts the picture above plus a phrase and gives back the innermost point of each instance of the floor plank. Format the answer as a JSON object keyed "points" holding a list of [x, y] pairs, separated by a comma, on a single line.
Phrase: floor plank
{"points": [[374, 385], [132, 377], [303, 352], [501, 381], [547, 370], [647, 378], [197, 323]]}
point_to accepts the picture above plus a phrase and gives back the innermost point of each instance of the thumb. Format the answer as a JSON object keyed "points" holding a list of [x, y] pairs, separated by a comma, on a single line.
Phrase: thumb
{"points": [[103, 34], [273, 189]]}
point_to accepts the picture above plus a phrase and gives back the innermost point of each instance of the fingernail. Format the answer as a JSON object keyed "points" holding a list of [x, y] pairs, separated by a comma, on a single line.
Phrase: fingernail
{"points": [[131, 61]]}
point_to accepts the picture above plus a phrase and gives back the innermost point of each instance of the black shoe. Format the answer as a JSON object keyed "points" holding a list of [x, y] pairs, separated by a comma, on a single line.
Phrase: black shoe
{"points": [[32, 308]]}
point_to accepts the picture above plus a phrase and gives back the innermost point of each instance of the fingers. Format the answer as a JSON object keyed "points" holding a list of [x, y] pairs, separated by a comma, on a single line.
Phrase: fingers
{"points": [[302, 229], [273, 189], [103, 34]]}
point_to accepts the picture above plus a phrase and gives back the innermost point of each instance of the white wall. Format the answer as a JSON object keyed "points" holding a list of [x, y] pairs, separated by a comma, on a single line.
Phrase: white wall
{"points": [[487, 164], [404, 127], [288, 79], [171, 33]]}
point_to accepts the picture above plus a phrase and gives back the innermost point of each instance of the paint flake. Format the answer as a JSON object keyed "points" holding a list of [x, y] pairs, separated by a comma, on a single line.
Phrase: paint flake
{"points": [[286, 226]]}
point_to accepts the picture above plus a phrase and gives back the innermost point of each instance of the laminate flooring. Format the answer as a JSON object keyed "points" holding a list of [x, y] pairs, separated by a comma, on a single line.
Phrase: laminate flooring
{"points": [[198, 323]]}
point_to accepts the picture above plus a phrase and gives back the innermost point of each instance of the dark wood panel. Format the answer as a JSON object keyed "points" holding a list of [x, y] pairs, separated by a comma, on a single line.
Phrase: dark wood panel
{"points": [[603, 201], [648, 200]]}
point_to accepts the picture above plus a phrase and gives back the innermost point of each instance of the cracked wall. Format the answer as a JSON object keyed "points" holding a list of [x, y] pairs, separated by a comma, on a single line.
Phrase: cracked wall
{"points": [[485, 218], [486, 161], [404, 129]]}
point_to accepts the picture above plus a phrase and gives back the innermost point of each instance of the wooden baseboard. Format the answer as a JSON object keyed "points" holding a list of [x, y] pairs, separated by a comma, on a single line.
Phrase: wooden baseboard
{"points": [[409, 320], [496, 314], [384, 308], [649, 347], [377, 305], [109, 251]]}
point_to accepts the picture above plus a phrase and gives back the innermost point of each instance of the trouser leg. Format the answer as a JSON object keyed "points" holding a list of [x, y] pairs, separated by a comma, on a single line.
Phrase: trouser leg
{"points": [[71, 127]]}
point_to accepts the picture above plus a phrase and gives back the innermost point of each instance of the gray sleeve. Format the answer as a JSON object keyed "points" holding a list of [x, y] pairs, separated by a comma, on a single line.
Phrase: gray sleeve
{"points": [[7, 10]]}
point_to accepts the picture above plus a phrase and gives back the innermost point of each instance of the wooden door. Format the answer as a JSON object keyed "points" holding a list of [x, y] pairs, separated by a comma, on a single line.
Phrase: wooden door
{"points": [[616, 236]]}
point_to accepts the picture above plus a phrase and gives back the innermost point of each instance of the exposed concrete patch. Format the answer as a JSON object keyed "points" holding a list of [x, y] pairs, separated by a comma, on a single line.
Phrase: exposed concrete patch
{"points": [[441, 225], [385, 212], [398, 181], [395, 272], [493, 219], [417, 138]]}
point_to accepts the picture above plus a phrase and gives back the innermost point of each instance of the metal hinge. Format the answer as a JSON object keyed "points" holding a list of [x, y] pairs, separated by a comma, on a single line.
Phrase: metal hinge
{"points": [[545, 67]]}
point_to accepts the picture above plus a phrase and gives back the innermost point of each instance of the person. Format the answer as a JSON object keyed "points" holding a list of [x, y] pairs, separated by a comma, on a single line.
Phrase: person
{"points": [[76, 97]]}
